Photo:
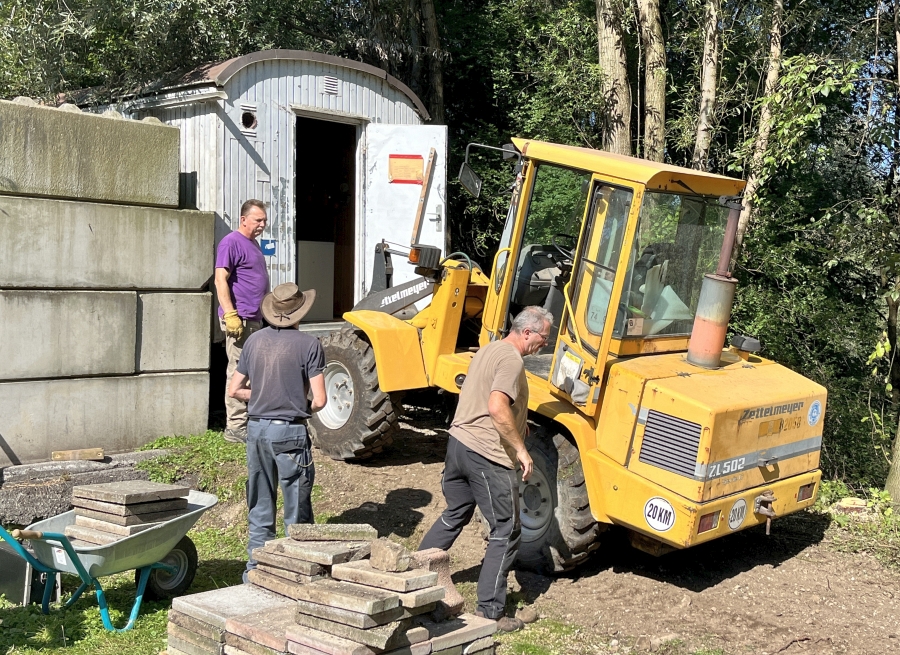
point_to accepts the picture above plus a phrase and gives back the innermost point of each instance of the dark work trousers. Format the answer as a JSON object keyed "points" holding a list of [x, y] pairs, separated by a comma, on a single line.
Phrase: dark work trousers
{"points": [[469, 480], [278, 452]]}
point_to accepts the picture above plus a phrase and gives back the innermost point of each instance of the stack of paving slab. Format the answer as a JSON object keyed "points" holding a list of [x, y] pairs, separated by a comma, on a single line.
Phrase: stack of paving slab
{"points": [[104, 316], [108, 512]]}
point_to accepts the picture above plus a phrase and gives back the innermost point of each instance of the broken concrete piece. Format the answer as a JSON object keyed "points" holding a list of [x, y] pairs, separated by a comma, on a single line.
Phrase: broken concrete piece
{"points": [[249, 647], [131, 510], [265, 628], [90, 535], [382, 637], [326, 553], [438, 561], [363, 573], [205, 643], [459, 630], [130, 492], [389, 556], [263, 556], [290, 576], [351, 597], [131, 519], [192, 649], [217, 606], [332, 532], [106, 526], [199, 627], [303, 640], [422, 597]]}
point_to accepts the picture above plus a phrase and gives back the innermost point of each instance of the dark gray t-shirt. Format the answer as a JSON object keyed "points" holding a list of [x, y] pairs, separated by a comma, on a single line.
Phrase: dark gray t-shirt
{"points": [[279, 363]]}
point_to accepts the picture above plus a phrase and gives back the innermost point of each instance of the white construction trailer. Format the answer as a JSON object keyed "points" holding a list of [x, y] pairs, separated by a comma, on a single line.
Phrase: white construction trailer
{"points": [[338, 150]]}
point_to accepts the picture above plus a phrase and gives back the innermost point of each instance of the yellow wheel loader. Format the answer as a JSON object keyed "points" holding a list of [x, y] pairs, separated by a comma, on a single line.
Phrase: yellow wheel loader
{"points": [[640, 415]]}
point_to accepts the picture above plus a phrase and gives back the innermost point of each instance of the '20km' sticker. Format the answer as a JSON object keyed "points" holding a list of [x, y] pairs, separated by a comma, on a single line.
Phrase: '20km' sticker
{"points": [[737, 514], [660, 514]]}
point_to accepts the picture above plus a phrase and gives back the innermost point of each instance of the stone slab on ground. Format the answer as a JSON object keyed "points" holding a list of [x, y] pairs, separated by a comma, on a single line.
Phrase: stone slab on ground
{"points": [[266, 627], [131, 492], [112, 413], [422, 597], [479, 645], [134, 509], [332, 532], [354, 598], [250, 647], [290, 576], [175, 331], [106, 526], [438, 561], [358, 619], [389, 556], [303, 567], [202, 628], [61, 154], [208, 644], [384, 637], [302, 640], [91, 535], [459, 630], [217, 606], [135, 519], [326, 553], [190, 648], [362, 572], [43, 333]]}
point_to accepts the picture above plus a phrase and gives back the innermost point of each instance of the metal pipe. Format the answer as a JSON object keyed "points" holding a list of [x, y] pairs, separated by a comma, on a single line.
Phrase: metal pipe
{"points": [[711, 321], [731, 227]]}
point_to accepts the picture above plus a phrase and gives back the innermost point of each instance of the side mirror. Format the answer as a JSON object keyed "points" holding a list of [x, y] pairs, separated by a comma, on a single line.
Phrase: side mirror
{"points": [[469, 179]]}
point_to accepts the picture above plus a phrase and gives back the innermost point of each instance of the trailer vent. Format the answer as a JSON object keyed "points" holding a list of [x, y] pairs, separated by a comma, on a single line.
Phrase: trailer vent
{"points": [[670, 443], [331, 85]]}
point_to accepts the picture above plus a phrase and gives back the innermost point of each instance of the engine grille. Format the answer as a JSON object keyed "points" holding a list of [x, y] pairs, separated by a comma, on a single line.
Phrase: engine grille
{"points": [[670, 443]]}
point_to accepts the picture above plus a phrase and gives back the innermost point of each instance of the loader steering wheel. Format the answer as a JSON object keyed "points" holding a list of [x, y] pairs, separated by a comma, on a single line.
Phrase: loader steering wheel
{"points": [[568, 253]]}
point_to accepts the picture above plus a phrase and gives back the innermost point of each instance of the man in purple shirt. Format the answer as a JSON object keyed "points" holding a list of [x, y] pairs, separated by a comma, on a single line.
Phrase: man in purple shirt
{"points": [[241, 283]]}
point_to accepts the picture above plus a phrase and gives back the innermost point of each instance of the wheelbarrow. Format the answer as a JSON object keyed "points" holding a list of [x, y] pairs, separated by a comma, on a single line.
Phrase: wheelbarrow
{"points": [[163, 557]]}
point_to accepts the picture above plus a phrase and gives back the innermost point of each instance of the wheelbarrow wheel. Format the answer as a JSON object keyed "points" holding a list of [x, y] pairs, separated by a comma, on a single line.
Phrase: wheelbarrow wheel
{"points": [[164, 584]]}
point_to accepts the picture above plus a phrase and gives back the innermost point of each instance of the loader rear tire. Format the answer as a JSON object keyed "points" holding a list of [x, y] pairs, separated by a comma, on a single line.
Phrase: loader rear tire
{"points": [[558, 530], [359, 419]]}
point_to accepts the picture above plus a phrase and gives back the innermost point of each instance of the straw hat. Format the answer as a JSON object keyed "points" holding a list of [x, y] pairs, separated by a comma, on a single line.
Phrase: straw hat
{"points": [[285, 305]]}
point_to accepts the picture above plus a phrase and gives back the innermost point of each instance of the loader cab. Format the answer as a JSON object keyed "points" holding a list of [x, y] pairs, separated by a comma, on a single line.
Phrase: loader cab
{"points": [[615, 248]]}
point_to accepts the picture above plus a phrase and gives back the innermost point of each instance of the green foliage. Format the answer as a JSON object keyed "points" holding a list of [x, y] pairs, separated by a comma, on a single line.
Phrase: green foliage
{"points": [[831, 491]]}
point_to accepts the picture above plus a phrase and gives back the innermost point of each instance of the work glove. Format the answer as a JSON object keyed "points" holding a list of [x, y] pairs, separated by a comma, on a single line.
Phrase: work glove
{"points": [[234, 326]]}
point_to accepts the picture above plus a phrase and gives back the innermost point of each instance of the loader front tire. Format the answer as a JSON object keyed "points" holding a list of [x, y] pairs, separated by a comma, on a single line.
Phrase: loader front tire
{"points": [[558, 530], [359, 419]]}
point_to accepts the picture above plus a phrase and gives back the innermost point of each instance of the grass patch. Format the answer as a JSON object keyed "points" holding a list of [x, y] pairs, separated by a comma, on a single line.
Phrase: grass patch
{"points": [[550, 637]]}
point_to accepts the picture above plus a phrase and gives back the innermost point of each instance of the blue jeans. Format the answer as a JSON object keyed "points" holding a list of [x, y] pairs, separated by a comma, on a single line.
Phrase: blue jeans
{"points": [[277, 453]]}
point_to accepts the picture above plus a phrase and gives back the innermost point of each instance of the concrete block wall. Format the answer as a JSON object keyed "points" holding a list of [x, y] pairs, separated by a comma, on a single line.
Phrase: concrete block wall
{"points": [[104, 307]]}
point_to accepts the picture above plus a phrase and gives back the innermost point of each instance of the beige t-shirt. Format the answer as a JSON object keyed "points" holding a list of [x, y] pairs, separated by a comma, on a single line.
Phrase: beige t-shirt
{"points": [[496, 367]]}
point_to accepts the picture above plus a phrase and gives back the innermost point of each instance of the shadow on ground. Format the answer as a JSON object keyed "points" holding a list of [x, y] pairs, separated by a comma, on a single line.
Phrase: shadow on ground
{"points": [[398, 514]]}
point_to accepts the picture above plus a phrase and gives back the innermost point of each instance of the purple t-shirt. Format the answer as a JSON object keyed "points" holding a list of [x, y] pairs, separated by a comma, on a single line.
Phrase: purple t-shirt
{"points": [[248, 279]]}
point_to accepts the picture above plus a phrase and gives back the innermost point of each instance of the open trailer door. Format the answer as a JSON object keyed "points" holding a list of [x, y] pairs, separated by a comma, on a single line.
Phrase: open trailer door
{"points": [[398, 161]]}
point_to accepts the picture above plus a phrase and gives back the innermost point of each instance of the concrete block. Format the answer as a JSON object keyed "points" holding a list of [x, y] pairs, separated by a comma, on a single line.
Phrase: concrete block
{"points": [[46, 334], [217, 606], [208, 644], [200, 627], [131, 492], [303, 567], [460, 630], [117, 414], [290, 576], [249, 647], [351, 597], [389, 556], [174, 334], [438, 561], [363, 573], [265, 628], [135, 509], [132, 520], [84, 245], [275, 583], [326, 553], [106, 526], [303, 641], [47, 152], [422, 597], [332, 532], [383, 637]]}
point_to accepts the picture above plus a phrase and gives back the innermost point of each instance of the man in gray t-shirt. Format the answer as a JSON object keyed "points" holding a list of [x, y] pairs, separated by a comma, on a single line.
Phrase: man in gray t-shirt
{"points": [[278, 367]]}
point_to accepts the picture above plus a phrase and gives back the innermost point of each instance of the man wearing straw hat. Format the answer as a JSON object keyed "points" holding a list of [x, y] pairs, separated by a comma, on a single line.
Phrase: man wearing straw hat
{"points": [[278, 368]]}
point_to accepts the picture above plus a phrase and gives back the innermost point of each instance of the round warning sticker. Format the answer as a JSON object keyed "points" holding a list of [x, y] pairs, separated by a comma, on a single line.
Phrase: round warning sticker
{"points": [[737, 514], [815, 411], [660, 514]]}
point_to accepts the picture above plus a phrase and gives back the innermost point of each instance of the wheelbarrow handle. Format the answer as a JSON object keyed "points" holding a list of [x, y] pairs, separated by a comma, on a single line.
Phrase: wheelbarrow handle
{"points": [[27, 534]]}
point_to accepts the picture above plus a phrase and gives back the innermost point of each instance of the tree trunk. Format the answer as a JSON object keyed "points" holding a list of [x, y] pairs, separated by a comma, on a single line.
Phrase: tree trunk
{"points": [[654, 80], [892, 484], [765, 124], [435, 62], [709, 80], [614, 87]]}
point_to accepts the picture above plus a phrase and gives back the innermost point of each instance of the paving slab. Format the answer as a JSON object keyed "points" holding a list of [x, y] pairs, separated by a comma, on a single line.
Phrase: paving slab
{"points": [[382, 637], [134, 509], [326, 553], [208, 644], [332, 532], [106, 526], [134, 519], [250, 647], [422, 597], [478, 645], [231, 650], [275, 583], [389, 556], [172, 651], [192, 649], [91, 535], [265, 628], [438, 561], [459, 630], [486, 651], [455, 650], [202, 628], [217, 606], [290, 576], [301, 640], [422, 648], [362, 572], [263, 556], [130, 492], [358, 619], [351, 597]]}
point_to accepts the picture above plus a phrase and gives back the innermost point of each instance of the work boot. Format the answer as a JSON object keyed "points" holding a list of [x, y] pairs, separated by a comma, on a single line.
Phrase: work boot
{"points": [[236, 435], [505, 623]]}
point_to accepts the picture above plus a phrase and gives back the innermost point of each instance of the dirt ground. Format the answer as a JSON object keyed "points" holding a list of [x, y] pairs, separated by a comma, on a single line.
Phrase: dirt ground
{"points": [[747, 593]]}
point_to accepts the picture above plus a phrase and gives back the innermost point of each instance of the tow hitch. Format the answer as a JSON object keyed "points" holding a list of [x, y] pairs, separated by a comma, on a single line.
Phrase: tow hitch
{"points": [[763, 505]]}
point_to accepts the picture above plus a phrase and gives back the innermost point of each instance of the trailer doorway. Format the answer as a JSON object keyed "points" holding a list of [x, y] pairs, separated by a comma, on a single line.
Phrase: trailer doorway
{"points": [[325, 220]]}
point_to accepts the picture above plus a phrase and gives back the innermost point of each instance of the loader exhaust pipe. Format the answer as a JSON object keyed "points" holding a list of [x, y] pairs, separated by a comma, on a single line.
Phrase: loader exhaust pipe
{"points": [[716, 299]]}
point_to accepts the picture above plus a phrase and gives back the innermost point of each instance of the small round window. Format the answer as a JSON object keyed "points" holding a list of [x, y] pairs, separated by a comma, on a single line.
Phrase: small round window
{"points": [[248, 120]]}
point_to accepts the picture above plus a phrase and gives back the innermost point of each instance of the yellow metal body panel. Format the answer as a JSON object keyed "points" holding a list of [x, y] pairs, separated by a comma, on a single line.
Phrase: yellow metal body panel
{"points": [[448, 367], [398, 355], [440, 321]]}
